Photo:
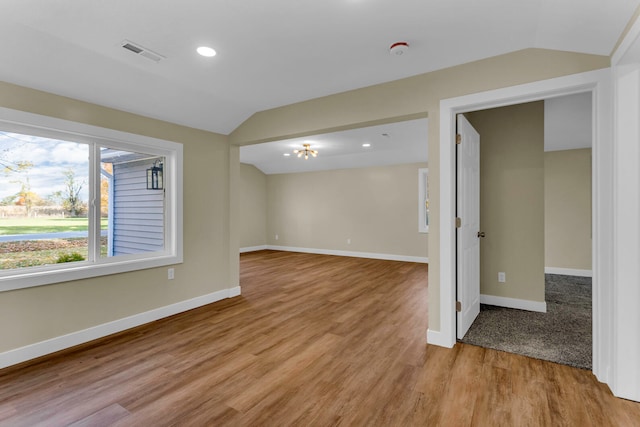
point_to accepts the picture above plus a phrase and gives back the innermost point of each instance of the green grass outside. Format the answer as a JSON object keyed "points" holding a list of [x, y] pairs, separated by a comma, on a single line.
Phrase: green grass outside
{"points": [[42, 252], [32, 259], [10, 226]]}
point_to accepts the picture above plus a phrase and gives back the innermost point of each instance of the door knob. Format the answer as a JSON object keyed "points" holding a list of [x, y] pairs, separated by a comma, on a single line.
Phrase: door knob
{"points": [[480, 233]]}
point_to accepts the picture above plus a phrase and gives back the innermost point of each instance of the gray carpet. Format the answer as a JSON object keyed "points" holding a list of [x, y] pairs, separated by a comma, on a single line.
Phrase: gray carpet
{"points": [[561, 335]]}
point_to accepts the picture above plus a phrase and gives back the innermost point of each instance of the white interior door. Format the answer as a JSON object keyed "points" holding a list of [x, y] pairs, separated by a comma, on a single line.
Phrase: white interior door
{"points": [[468, 232]]}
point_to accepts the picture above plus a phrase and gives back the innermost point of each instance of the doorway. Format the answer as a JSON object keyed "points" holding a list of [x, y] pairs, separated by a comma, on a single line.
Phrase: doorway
{"points": [[524, 311], [597, 82]]}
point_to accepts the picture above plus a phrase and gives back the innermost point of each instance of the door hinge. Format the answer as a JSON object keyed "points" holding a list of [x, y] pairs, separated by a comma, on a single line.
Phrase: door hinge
{"points": [[458, 306], [458, 138], [458, 222]]}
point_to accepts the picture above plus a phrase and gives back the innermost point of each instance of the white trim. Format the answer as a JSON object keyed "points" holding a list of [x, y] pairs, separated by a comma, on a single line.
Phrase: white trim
{"points": [[520, 304], [437, 338], [632, 35], [234, 292], [32, 351], [568, 271], [253, 248], [625, 345], [371, 255], [423, 198], [597, 82]]}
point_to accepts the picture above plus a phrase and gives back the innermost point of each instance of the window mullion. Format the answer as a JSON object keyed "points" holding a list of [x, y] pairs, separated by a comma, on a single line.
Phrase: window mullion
{"points": [[94, 203]]}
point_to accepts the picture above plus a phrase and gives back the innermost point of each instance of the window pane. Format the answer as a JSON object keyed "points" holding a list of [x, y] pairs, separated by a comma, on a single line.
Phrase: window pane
{"points": [[132, 202], [43, 201]]}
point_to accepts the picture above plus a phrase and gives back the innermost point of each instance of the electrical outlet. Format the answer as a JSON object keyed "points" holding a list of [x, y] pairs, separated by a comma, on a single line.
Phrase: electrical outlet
{"points": [[277, 237], [502, 277], [348, 241], [171, 273]]}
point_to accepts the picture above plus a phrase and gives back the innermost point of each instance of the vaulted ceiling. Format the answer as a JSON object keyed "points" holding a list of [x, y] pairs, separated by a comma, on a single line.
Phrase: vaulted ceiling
{"points": [[275, 52]]}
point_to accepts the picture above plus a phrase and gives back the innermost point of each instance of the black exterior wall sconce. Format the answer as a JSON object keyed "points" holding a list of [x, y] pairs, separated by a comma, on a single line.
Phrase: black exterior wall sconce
{"points": [[154, 176]]}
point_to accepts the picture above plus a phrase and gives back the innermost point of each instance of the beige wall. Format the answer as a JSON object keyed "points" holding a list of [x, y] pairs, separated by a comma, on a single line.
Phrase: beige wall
{"points": [[567, 191], [31, 315], [377, 208], [512, 200], [409, 98], [253, 206]]}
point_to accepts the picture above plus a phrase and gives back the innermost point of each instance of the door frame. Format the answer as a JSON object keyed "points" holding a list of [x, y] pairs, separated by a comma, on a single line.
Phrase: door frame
{"points": [[599, 84], [625, 63]]}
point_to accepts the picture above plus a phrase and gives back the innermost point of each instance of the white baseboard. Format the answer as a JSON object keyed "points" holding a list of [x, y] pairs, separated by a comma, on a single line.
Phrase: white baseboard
{"points": [[32, 351], [371, 255], [521, 304], [568, 271], [253, 249], [439, 339]]}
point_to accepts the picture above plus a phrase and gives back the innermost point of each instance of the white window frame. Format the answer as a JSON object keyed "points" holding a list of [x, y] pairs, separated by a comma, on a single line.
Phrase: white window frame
{"points": [[96, 137], [423, 198]]}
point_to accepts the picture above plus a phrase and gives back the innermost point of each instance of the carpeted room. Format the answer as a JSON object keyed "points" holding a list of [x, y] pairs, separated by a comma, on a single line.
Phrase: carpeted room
{"points": [[536, 212]]}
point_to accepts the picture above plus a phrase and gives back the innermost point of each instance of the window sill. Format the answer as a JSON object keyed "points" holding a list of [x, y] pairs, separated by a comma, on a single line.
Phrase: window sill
{"points": [[47, 276]]}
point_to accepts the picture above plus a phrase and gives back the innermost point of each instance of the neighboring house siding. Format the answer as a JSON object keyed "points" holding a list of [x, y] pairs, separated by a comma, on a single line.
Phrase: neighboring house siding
{"points": [[138, 213]]}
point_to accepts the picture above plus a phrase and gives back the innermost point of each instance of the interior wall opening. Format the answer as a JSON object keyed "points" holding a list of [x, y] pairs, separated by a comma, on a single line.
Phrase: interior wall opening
{"points": [[357, 196]]}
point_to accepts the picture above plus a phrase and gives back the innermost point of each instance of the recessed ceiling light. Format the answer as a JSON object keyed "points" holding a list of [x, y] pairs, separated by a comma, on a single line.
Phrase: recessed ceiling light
{"points": [[366, 145], [286, 154], [206, 51]]}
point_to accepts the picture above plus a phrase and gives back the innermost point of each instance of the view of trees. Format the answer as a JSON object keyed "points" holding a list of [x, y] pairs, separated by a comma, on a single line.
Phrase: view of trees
{"points": [[70, 196], [19, 174], [104, 190]]}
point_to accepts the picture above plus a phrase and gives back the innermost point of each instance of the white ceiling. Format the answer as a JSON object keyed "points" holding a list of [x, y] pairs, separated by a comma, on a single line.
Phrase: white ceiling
{"points": [[394, 143], [275, 52], [567, 122]]}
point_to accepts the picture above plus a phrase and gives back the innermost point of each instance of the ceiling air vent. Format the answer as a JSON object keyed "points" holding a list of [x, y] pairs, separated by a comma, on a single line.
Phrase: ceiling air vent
{"points": [[142, 51]]}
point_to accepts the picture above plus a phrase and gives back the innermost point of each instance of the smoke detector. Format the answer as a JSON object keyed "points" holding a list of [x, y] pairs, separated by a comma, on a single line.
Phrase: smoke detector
{"points": [[399, 48], [142, 51]]}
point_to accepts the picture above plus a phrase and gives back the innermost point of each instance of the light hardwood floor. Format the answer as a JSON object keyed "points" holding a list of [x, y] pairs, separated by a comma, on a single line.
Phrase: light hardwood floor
{"points": [[313, 340]]}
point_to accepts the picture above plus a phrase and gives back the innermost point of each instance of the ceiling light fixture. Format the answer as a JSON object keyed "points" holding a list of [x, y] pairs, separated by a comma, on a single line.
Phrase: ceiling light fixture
{"points": [[399, 48], [206, 51], [306, 151], [286, 154], [366, 145]]}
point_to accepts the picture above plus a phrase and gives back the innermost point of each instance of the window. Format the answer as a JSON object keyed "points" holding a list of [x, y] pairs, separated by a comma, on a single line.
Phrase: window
{"points": [[423, 201], [79, 201]]}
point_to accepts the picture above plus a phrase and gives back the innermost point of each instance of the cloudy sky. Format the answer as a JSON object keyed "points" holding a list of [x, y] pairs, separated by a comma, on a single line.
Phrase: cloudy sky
{"points": [[51, 158]]}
